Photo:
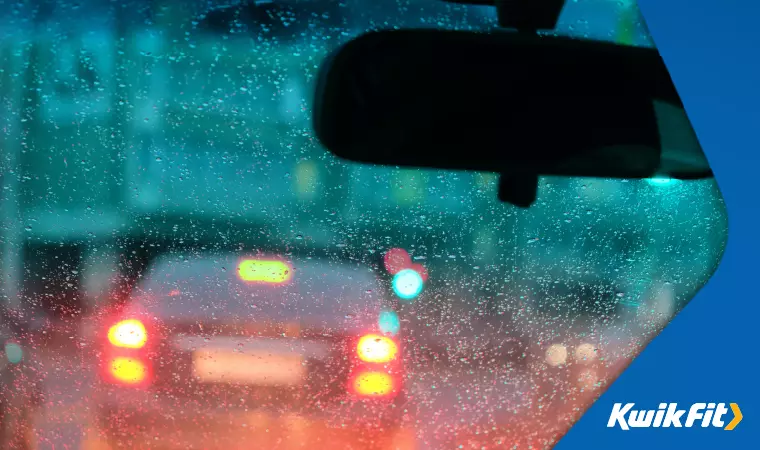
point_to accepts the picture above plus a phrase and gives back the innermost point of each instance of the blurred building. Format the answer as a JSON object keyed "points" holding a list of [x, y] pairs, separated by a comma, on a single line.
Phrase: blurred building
{"points": [[144, 113]]}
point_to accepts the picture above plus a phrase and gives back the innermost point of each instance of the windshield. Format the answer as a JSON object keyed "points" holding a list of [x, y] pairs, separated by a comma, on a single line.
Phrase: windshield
{"points": [[151, 147]]}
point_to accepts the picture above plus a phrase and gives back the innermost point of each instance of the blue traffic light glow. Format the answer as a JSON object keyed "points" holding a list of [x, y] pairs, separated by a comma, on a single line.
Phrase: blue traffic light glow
{"points": [[407, 284], [388, 322], [14, 353]]}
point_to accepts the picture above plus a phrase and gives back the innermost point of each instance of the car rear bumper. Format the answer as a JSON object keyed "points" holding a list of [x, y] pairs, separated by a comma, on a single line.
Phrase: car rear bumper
{"points": [[141, 419]]}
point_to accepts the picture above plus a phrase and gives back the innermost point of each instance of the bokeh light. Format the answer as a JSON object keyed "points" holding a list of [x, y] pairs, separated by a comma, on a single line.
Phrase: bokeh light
{"points": [[128, 333], [388, 322], [396, 260], [420, 269], [128, 370], [661, 181], [407, 284], [373, 384], [14, 352], [260, 271], [556, 355], [306, 180], [585, 352], [376, 349]]}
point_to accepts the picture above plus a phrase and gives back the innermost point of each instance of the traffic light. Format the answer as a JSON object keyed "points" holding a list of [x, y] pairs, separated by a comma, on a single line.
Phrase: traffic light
{"points": [[407, 284], [408, 278]]}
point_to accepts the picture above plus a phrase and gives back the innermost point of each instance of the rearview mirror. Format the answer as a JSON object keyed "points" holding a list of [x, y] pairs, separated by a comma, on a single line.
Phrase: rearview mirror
{"points": [[522, 105]]}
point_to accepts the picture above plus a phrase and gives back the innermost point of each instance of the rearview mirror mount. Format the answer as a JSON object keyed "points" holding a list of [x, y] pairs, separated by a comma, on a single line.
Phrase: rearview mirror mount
{"points": [[518, 104]]}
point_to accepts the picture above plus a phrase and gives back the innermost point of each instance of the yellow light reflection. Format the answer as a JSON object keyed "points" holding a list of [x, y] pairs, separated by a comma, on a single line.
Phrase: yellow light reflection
{"points": [[128, 370], [128, 334], [262, 271], [376, 349], [373, 384]]}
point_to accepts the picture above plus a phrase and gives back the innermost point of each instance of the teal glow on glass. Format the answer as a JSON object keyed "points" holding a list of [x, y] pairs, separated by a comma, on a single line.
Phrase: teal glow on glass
{"points": [[661, 181], [389, 322], [407, 284], [14, 353]]}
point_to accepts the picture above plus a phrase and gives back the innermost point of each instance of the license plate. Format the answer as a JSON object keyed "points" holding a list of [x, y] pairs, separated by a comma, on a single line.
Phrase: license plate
{"points": [[254, 368]]}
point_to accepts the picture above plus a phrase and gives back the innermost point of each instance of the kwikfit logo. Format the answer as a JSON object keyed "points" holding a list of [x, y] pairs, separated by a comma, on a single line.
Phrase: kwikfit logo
{"points": [[668, 415]]}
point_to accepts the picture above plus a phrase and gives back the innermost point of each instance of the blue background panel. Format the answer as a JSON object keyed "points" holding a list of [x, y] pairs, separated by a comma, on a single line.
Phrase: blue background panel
{"points": [[710, 352]]}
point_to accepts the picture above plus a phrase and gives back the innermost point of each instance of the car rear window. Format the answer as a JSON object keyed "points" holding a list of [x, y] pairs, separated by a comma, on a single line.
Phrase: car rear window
{"points": [[210, 287]]}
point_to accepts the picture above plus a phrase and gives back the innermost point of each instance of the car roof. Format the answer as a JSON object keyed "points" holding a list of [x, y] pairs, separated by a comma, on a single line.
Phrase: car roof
{"points": [[321, 291]]}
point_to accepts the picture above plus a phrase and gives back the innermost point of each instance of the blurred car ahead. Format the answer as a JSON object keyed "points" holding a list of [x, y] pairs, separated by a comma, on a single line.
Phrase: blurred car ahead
{"points": [[216, 350]]}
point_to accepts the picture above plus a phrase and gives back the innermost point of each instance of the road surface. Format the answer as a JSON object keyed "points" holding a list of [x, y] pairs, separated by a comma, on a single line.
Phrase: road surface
{"points": [[442, 402]]}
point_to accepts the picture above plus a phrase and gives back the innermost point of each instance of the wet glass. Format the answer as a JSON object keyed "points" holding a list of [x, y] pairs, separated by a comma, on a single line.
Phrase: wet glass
{"points": [[206, 274]]}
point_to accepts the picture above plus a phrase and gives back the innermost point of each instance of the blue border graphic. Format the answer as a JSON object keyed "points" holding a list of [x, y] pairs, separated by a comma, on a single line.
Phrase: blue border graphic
{"points": [[710, 352]]}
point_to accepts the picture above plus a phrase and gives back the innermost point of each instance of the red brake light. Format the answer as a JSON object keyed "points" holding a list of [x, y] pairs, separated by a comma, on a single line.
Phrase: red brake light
{"points": [[396, 259], [374, 348], [128, 333], [130, 371], [126, 358], [373, 384]]}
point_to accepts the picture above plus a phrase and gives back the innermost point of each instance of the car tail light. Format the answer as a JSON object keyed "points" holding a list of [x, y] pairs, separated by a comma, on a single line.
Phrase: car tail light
{"points": [[128, 333], [374, 348], [126, 370], [377, 367], [127, 352], [373, 384]]}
